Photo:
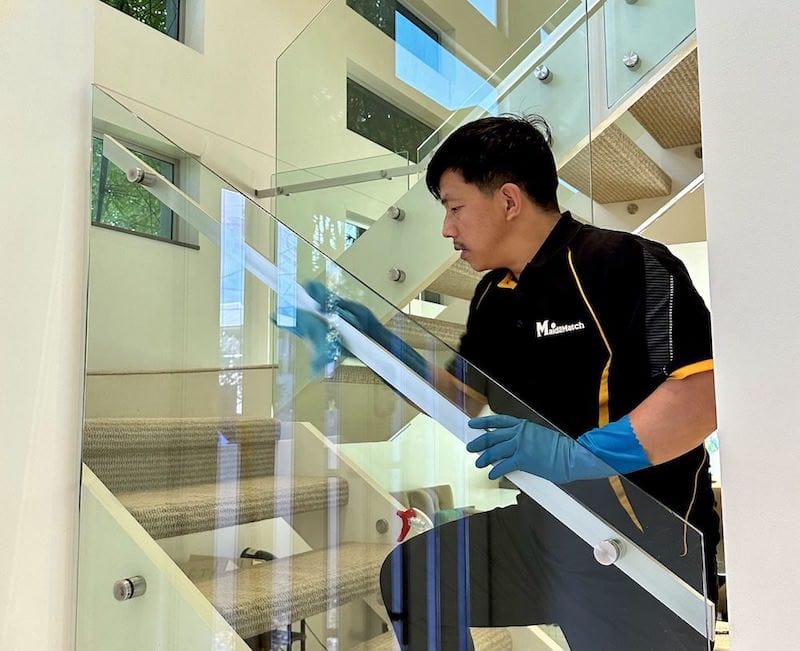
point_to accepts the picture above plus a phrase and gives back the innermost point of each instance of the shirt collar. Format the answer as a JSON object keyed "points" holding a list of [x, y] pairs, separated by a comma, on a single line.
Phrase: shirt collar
{"points": [[561, 235]]}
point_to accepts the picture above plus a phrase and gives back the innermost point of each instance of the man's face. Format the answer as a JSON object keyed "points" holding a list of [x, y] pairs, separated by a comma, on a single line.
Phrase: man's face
{"points": [[474, 220]]}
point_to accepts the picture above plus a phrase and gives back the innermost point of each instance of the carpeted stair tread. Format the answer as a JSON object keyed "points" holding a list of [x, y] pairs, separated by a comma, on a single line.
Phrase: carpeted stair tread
{"points": [[417, 330], [614, 168], [188, 509], [135, 454], [485, 639], [458, 280], [670, 110], [273, 594]]}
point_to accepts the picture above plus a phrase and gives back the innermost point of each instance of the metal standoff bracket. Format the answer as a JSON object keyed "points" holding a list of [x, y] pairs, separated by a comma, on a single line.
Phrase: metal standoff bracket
{"points": [[608, 552], [632, 60], [396, 213], [130, 588], [140, 176], [396, 275], [543, 73]]}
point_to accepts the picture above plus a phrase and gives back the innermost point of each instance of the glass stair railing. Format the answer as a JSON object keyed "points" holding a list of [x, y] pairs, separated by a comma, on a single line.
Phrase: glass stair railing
{"points": [[570, 70], [252, 529]]}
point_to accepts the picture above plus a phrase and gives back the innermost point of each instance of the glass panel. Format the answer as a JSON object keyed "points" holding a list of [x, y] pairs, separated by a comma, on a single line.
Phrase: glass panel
{"points": [[163, 15], [650, 30], [350, 197], [383, 123], [119, 203], [258, 498]]}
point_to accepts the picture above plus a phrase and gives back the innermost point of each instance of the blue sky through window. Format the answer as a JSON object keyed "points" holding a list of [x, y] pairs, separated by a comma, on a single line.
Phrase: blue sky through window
{"points": [[231, 309], [423, 63], [488, 9]]}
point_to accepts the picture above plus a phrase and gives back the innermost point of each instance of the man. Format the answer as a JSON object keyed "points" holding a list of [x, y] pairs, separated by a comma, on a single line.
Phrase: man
{"points": [[598, 332]]}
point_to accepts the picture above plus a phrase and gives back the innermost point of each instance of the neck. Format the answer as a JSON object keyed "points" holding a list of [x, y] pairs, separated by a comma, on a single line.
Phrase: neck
{"points": [[528, 242]]}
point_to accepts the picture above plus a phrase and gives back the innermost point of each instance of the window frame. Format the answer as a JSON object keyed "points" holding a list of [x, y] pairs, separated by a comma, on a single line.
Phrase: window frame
{"points": [[180, 19], [182, 234]]}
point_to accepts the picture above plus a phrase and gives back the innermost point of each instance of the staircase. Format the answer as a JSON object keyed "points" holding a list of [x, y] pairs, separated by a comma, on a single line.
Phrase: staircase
{"points": [[182, 476], [206, 488]]}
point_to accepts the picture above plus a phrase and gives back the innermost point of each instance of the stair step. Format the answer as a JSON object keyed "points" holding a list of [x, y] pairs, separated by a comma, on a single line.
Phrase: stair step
{"points": [[271, 595], [613, 168], [203, 507], [458, 280], [485, 639], [139, 454], [406, 328], [354, 374], [670, 110]]}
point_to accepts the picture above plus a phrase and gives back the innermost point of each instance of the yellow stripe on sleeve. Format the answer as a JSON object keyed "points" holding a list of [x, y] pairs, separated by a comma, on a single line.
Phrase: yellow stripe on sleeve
{"points": [[692, 369]]}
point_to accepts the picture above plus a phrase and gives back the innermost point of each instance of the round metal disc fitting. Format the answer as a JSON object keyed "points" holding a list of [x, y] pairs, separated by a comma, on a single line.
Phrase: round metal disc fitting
{"points": [[396, 213], [543, 73], [381, 525], [632, 60], [138, 175], [396, 275], [608, 552], [130, 588]]}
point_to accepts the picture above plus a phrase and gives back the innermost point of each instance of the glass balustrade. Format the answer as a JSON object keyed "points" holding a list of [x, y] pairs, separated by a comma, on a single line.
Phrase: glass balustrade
{"points": [[638, 36], [331, 206], [242, 489]]}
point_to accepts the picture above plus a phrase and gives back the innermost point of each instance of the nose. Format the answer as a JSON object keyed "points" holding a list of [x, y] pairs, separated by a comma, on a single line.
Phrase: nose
{"points": [[448, 230]]}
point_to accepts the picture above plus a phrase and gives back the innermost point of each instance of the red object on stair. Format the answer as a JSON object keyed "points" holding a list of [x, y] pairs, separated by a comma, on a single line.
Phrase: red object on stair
{"points": [[406, 517]]}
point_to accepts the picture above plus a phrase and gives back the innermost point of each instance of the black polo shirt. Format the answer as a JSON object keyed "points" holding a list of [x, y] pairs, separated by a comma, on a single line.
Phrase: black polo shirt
{"points": [[595, 322]]}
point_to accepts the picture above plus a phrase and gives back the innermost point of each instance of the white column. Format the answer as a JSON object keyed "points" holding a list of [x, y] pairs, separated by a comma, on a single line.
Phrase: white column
{"points": [[750, 91], [46, 61]]}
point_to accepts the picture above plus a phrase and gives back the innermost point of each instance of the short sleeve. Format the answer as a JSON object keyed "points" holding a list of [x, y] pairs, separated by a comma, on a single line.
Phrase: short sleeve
{"points": [[676, 322]]}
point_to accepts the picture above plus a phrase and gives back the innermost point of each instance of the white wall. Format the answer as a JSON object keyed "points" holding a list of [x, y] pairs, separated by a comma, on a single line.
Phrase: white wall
{"points": [[750, 137], [46, 67], [155, 306]]}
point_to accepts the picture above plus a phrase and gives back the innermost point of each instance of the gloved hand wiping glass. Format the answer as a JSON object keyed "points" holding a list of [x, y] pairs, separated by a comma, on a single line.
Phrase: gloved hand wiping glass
{"points": [[517, 444], [325, 341]]}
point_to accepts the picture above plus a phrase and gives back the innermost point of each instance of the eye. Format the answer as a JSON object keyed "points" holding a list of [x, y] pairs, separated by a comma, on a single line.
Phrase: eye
{"points": [[455, 209]]}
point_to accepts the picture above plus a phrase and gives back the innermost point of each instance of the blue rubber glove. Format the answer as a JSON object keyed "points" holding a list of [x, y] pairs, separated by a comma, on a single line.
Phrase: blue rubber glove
{"points": [[518, 444], [366, 322]]}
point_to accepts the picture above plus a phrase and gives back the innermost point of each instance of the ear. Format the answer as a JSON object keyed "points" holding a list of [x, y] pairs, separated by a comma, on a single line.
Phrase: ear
{"points": [[512, 197]]}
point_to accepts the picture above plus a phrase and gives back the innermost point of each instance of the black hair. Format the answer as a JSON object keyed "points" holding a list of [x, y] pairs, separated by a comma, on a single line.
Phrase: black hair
{"points": [[496, 150]]}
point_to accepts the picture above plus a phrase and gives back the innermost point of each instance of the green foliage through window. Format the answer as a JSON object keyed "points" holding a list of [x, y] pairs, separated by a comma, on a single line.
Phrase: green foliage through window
{"points": [[382, 122], [159, 14], [117, 202]]}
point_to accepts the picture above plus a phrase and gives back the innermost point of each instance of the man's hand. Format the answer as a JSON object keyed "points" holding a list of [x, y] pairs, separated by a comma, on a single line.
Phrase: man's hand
{"points": [[517, 444]]}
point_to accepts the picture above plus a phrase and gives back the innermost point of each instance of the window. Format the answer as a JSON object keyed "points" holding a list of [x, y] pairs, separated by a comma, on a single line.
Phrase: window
{"points": [[119, 204], [163, 15], [421, 61], [487, 8], [382, 122], [383, 14], [351, 233]]}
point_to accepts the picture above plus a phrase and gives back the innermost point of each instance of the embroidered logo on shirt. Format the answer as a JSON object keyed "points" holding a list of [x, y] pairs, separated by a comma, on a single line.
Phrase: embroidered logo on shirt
{"points": [[548, 328]]}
